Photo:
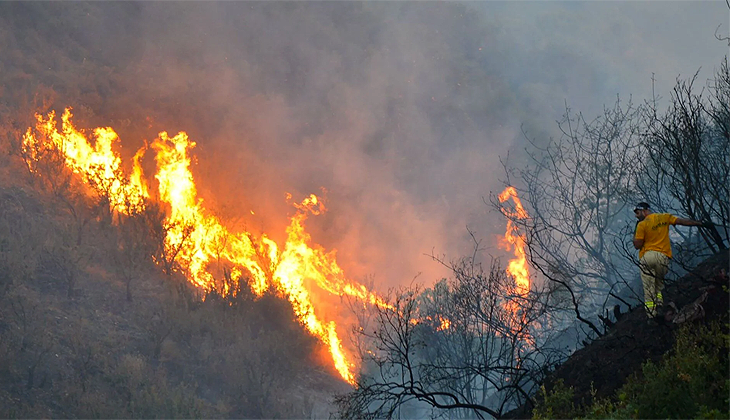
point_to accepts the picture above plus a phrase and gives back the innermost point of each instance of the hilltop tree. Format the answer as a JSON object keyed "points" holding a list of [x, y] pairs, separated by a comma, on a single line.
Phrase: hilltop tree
{"points": [[686, 156]]}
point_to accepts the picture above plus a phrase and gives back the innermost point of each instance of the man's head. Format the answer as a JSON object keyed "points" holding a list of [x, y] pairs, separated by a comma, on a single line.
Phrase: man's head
{"points": [[642, 210]]}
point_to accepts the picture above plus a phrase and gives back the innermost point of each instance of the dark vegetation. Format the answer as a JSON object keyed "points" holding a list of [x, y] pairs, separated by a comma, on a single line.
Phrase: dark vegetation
{"points": [[80, 338], [678, 369], [689, 382]]}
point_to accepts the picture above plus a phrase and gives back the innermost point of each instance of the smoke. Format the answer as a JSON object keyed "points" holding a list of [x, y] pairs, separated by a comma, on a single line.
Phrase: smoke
{"points": [[401, 111]]}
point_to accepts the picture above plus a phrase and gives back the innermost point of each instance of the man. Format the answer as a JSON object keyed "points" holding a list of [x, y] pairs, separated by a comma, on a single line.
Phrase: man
{"points": [[655, 250]]}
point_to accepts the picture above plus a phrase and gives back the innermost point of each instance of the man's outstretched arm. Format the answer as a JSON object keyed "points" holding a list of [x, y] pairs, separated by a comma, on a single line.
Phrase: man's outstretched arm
{"points": [[690, 222]]}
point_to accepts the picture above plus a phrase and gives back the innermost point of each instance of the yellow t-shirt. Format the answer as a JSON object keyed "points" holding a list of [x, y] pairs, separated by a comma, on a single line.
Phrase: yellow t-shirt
{"points": [[654, 230]]}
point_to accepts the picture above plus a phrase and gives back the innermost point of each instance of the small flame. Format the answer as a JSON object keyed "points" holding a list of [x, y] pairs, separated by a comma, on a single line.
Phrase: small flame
{"points": [[443, 322]]}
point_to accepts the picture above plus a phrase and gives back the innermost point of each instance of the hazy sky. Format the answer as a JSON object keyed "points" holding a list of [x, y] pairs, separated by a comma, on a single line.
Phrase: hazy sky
{"points": [[401, 111]]}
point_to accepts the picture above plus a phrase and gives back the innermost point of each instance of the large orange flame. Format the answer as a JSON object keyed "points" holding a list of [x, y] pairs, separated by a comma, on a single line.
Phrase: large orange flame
{"points": [[514, 241], [198, 236]]}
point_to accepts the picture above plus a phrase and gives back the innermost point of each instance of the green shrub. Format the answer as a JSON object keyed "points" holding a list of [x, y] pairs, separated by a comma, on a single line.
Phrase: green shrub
{"points": [[556, 404], [691, 382], [604, 408]]}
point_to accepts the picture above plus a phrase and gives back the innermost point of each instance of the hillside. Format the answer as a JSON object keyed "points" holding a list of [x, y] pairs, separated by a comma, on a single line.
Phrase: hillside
{"points": [[75, 344], [598, 370]]}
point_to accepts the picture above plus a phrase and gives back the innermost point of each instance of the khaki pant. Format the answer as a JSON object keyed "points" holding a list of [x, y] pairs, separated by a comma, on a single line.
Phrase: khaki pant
{"points": [[654, 266]]}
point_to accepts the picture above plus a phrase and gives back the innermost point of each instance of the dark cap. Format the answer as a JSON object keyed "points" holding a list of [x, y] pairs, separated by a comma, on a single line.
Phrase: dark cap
{"points": [[642, 206]]}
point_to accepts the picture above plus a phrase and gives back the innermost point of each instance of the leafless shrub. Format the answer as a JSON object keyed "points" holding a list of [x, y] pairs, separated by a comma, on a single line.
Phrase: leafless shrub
{"points": [[464, 349]]}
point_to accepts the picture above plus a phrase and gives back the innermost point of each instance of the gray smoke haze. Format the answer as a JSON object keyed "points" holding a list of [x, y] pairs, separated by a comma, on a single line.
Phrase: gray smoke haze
{"points": [[401, 111]]}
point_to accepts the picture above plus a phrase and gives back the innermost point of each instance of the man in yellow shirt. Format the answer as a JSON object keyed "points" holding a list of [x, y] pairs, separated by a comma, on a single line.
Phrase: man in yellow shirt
{"points": [[655, 251]]}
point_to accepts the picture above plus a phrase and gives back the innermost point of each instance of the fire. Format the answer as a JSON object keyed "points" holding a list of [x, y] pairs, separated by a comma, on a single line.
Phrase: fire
{"points": [[196, 238], [517, 267], [97, 165], [439, 322], [445, 324]]}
